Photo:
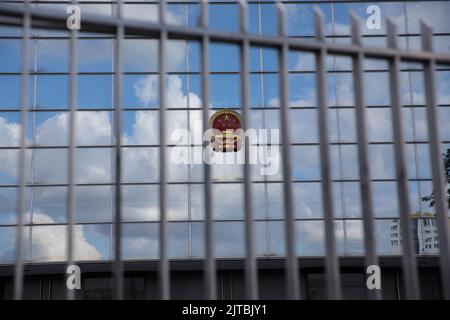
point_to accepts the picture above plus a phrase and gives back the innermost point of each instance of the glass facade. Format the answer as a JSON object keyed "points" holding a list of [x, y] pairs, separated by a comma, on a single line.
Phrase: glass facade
{"points": [[48, 126]]}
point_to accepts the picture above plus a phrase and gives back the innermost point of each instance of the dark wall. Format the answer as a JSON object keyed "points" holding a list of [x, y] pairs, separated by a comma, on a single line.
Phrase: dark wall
{"points": [[188, 285]]}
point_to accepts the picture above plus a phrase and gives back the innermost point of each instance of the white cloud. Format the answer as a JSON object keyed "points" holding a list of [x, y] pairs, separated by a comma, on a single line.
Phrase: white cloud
{"points": [[146, 89], [140, 247], [9, 136], [93, 165], [49, 242], [145, 129], [9, 133], [433, 13], [92, 128], [307, 101], [142, 213]]}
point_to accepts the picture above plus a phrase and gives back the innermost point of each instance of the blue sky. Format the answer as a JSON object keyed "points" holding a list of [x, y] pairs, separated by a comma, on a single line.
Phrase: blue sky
{"points": [[140, 127]]}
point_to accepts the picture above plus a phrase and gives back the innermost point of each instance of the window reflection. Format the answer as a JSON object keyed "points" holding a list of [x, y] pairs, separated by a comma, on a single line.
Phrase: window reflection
{"points": [[227, 201], [443, 84], [379, 125], [50, 205], [142, 12], [220, 52], [264, 23], [385, 199], [10, 124], [103, 91], [94, 55], [177, 202], [10, 49], [418, 161], [307, 200], [415, 124], [300, 19], [93, 203], [52, 55], [8, 204], [140, 241], [47, 205], [305, 160], [269, 239], [228, 239], [382, 161], [376, 86], [49, 243], [342, 125], [140, 164], [302, 61], [310, 238], [7, 239], [223, 17], [432, 12], [345, 162], [50, 166], [342, 17], [140, 55], [349, 235], [225, 90], [347, 200], [302, 90], [92, 242], [263, 58], [53, 91], [93, 165], [340, 90], [140, 202], [178, 240], [303, 125], [264, 90], [197, 202]]}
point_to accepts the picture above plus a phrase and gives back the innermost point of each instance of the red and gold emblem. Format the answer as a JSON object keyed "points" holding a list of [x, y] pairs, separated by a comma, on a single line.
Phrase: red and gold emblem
{"points": [[226, 123]]}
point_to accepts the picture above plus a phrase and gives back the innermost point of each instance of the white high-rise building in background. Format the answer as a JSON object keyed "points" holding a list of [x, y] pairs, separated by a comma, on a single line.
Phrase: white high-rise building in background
{"points": [[425, 233]]}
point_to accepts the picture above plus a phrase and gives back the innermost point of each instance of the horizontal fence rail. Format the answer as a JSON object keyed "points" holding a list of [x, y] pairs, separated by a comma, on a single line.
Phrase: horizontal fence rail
{"points": [[27, 17]]}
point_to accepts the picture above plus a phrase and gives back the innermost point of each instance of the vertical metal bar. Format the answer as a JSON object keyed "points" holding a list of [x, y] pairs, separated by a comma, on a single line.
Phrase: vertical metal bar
{"points": [[164, 271], [33, 106], [18, 270], [188, 123], [71, 206], [436, 161], [210, 262], [292, 278], [332, 264], [363, 153], [118, 265], [409, 259], [251, 271], [264, 125]]}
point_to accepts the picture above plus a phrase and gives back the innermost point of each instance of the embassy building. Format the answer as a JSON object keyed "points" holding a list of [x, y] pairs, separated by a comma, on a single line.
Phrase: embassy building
{"points": [[93, 185]]}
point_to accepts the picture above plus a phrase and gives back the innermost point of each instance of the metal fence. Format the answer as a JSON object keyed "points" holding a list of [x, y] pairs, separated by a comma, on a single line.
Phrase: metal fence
{"points": [[27, 17]]}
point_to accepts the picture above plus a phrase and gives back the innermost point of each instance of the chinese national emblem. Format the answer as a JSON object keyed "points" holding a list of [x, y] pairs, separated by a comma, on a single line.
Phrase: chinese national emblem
{"points": [[225, 124]]}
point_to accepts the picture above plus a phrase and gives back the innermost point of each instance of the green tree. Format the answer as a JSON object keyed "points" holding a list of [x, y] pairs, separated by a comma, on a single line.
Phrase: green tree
{"points": [[430, 198]]}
